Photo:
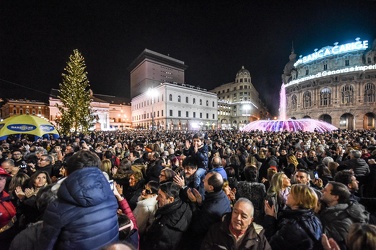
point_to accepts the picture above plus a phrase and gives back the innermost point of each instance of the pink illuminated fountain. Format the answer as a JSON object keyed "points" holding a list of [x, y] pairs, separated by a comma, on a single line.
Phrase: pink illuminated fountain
{"points": [[282, 124]]}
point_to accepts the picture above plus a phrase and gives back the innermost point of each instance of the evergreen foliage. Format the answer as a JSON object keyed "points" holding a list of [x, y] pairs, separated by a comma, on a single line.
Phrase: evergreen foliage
{"points": [[76, 96]]}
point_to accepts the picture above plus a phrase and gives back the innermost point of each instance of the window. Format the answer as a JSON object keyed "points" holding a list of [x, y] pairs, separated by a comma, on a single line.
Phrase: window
{"points": [[187, 99], [228, 90], [200, 115], [213, 116], [347, 94], [200, 101], [325, 66], [245, 79], [241, 80], [325, 96], [170, 98], [294, 102], [347, 62], [14, 111], [213, 104], [194, 114], [21, 111], [207, 103], [207, 116], [306, 72], [158, 113], [162, 112], [307, 99], [179, 113], [234, 88], [171, 112], [186, 113], [241, 87], [194, 100], [179, 98], [369, 93]]}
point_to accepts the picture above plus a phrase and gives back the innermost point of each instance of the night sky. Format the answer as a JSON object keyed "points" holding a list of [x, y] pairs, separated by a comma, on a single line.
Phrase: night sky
{"points": [[214, 38]]}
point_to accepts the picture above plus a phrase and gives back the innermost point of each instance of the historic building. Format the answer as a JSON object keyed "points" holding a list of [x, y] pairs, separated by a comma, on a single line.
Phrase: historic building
{"points": [[24, 106], [162, 100], [111, 112], [239, 102], [336, 84]]}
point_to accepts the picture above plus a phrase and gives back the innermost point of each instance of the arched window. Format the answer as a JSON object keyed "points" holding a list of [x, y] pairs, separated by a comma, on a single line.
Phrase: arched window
{"points": [[179, 98], [369, 93], [325, 96], [347, 94], [294, 102], [170, 98], [194, 100], [307, 99]]}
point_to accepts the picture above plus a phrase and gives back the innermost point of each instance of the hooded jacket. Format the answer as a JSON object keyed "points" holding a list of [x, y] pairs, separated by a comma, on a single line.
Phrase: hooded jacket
{"points": [[84, 215], [170, 222], [144, 213]]}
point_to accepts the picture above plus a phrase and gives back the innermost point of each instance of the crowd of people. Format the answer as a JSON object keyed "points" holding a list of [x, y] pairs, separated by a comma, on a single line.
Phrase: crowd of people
{"points": [[189, 190]]}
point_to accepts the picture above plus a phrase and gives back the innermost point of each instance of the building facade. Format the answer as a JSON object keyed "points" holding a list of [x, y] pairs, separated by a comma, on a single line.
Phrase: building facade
{"points": [[112, 113], [151, 68], [173, 106], [239, 102], [23, 106], [336, 84]]}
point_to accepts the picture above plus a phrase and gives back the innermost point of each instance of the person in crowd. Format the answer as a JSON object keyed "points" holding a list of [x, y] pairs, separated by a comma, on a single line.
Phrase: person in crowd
{"points": [[7, 213], [230, 192], [292, 164], [296, 227], [253, 191], [208, 211], [278, 191], [357, 164], [172, 219], [270, 160], [19, 160], [45, 164], [29, 237], [339, 213], [348, 178], [85, 195], [217, 167], [106, 167], [166, 175], [361, 236], [299, 154], [146, 207], [237, 230], [189, 179], [133, 191], [154, 167]]}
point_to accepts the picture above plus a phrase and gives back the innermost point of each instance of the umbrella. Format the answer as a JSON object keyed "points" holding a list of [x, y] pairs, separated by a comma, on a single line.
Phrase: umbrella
{"points": [[26, 124]]}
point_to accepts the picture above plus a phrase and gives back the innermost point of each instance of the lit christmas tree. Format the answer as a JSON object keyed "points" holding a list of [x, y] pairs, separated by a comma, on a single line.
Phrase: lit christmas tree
{"points": [[76, 96]]}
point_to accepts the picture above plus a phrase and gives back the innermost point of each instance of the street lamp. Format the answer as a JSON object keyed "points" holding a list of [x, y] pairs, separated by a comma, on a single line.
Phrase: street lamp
{"points": [[152, 93]]}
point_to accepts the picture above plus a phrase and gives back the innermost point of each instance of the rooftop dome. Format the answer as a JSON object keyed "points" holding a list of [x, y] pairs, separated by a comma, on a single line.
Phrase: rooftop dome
{"points": [[243, 73]]}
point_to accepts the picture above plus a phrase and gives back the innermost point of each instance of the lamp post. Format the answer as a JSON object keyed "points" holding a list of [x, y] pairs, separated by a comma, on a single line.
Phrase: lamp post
{"points": [[152, 93]]}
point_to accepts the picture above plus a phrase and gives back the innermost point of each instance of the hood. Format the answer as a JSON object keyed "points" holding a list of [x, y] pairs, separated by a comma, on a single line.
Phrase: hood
{"points": [[85, 187], [176, 215]]}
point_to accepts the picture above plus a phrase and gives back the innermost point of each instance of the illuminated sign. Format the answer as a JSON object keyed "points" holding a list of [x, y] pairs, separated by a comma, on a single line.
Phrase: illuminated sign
{"points": [[333, 72], [333, 50], [21, 127]]}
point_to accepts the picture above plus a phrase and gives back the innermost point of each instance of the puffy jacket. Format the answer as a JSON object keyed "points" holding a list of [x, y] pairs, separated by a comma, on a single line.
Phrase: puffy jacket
{"points": [[219, 237], [171, 221], [7, 210], [201, 157], [336, 220], [144, 213], [358, 165], [84, 215], [295, 229]]}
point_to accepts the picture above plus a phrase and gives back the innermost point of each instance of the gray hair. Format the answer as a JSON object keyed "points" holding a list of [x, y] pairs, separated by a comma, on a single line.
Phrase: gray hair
{"points": [[326, 160], [245, 200]]}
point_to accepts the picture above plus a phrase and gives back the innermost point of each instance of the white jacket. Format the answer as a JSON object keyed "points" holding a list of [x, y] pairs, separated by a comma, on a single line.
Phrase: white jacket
{"points": [[144, 213]]}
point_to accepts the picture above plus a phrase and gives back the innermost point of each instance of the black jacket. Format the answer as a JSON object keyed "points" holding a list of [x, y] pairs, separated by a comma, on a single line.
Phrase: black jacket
{"points": [[295, 229], [170, 222]]}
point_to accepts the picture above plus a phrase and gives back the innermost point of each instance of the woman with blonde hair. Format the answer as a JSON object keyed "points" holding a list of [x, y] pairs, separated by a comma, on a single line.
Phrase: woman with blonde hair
{"points": [[292, 163], [106, 166], [278, 191], [297, 227]]}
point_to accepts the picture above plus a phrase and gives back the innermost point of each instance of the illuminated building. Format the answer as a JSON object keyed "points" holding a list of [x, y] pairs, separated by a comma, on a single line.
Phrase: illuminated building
{"points": [[336, 84], [238, 102]]}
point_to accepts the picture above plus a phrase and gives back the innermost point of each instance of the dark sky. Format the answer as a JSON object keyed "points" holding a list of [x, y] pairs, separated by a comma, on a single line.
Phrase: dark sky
{"points": [[214, 38]]}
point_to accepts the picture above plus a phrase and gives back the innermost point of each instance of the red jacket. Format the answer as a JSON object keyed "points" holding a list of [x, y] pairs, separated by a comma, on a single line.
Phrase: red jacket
{"points": [[7, 210]]}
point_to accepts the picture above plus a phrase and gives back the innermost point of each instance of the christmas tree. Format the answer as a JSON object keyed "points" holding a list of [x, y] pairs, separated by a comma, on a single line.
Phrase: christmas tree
{"points": [[76, 96]]}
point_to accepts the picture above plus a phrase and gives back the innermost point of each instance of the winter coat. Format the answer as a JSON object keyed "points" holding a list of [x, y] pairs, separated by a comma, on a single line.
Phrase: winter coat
{"points": [[170, 222], [358, 165], [7, 210], [28, 238], [84, 215], [201, 157], [219, 237], [144, 213], [132, 193], [336, 220], [256, 193], [263, 171], [295, 229]]}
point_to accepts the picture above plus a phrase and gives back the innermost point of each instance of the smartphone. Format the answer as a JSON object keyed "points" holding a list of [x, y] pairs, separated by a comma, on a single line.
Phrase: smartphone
{"points": [[316, 175], [270, 201], [111, 184]]}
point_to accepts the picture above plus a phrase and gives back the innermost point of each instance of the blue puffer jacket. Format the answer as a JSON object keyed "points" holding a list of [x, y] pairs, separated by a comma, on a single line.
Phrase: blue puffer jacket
{"points": [[83, 216]]}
